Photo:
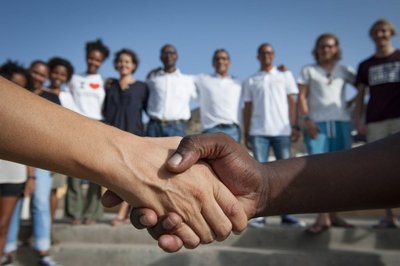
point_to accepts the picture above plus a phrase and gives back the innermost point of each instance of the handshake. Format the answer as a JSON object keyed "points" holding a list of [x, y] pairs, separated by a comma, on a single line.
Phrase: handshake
{"points": [[227, 186], [210, 208]]}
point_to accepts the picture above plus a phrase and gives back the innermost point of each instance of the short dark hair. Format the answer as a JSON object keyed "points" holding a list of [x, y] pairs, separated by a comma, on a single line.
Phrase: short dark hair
{"points": [[38, 62], [97, 45], [220, 50], [9, 68], [262, 45], [131, 53], [58, 61], [167, 45], [323, 36]]}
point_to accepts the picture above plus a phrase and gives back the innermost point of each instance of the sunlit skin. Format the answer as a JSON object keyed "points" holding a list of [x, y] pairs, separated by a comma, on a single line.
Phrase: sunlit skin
{"points": [[221, 63], [39, 73], [327, 50], [94, 60], [19, 79], [382, 36], [168, 57], [266, 56], [125, 66], [58, 76]]}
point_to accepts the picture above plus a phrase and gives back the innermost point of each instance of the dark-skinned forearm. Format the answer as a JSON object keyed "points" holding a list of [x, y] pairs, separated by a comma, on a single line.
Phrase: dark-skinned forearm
{"points": [[367, 177]]}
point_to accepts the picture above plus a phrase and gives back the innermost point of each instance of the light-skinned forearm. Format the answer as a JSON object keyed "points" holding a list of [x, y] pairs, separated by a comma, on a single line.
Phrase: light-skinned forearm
{"points": [[32, 128], [39, 133], [367, 177]]}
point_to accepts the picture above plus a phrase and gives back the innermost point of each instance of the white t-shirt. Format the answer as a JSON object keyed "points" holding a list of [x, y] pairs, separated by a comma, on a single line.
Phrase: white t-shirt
{"points": [[68, 101], [268, 92], [88, 93], [327, 96], [219, 99], [170, 95], [13, 173]]}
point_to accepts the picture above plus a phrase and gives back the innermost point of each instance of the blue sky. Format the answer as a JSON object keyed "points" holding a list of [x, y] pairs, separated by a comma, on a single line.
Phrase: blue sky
{"points": [[42, 29]]}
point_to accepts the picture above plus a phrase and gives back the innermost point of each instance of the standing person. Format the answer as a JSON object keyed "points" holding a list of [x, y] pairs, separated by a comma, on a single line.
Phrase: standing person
{"points": [[88, 92], [219, 98], [322, 106], [269, 115], [61, 72], [124, 105], [40, 73], [40, 203], [380, 73], [169, 98], [15, 179], [44, 200]]}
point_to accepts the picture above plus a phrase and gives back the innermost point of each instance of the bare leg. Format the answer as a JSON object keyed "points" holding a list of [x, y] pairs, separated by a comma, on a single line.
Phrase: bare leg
{"points": [[322, 223], [122, 214], [53, 204]]}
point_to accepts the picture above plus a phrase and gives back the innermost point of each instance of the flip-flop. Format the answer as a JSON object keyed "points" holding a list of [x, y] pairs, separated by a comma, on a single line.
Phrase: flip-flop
{"points": [[317, 229], [383, 224], [341, 223]]}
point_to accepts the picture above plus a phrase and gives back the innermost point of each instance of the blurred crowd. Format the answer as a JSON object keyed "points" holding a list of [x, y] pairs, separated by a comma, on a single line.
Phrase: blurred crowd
{"points": [[269, 110]]}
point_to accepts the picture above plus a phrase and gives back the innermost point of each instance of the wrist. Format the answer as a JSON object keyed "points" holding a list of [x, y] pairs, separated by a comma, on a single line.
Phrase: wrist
{"points": [[265, 174], [296, 127]]}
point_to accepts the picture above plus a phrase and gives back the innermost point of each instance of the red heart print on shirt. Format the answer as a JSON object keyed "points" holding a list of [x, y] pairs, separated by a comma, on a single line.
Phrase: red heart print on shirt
{"points": [[94, 86]]}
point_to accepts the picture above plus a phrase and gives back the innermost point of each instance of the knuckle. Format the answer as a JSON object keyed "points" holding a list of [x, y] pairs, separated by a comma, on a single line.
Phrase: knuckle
{"points": [[191, 243], [223, 232]]}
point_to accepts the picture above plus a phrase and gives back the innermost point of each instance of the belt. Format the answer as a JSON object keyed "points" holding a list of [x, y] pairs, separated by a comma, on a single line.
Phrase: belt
{"points": [[167, 122], [226, 125]]}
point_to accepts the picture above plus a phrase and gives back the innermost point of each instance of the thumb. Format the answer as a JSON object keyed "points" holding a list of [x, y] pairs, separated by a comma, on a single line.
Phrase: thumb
{"points": [[187, 154], [208, 146], [110, 199]]}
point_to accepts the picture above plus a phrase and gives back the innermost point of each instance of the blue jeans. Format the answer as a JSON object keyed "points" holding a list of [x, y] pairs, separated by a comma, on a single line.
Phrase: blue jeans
{"points": [[40, 210], [260, 146], [281, 146], [230, 130], [158, 129]]}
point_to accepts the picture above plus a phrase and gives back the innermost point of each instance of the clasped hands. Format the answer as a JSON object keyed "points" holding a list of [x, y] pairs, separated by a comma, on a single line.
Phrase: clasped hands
{"points": [[210, 185]]}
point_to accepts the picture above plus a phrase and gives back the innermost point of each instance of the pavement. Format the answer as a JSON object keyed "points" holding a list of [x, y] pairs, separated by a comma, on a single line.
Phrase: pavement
{"points": [[103, 244]]}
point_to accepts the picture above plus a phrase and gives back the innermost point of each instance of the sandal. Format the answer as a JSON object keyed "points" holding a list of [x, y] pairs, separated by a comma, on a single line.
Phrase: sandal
{"points": [[341, 223], [384, 224], [317, 229], [76, 222], [89, 221]]}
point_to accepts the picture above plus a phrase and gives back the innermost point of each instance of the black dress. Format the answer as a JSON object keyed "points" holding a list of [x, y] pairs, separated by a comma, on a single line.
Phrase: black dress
{"points": [[124, 108]]}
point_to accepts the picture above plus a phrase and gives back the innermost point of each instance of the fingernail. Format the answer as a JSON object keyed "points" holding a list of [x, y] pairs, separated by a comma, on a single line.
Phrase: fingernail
{"points": [[143, 220], [166, 224], [175, 160]]}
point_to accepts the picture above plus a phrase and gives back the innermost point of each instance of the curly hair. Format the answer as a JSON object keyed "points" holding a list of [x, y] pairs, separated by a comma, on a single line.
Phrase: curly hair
{"points": [[10, 68], [97, 45], [58, 61], [132, 54]]}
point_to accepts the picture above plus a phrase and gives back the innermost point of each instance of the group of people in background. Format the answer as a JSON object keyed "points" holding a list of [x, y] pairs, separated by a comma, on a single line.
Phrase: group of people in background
{"points": [[270, 109]]}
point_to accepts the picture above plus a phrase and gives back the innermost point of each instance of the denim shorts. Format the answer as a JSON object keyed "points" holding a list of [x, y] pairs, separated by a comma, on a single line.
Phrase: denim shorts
{"points": [[332, 136]]}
